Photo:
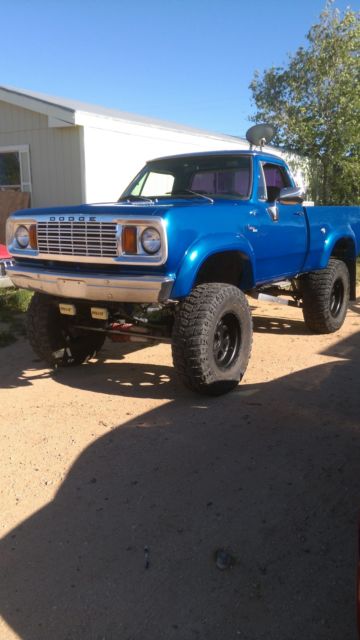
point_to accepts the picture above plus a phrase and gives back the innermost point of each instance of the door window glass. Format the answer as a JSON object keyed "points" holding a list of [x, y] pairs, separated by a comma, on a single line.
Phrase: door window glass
{"points": [[276, 179]]}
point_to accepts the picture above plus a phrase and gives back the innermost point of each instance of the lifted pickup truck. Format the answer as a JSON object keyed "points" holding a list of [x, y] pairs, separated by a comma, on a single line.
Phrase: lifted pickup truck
{"points": [[173, 259]]}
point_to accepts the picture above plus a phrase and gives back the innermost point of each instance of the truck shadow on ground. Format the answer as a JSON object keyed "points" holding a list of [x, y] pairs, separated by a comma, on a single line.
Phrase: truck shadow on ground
{"points": [[269, 473], [118, 376], [26, 368], [281, 326], [112, 378]]}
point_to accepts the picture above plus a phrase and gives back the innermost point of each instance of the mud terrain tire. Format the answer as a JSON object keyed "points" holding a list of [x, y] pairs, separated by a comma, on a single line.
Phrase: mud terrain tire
{"points": [[212, 338], [53, 337], [325, 297]]}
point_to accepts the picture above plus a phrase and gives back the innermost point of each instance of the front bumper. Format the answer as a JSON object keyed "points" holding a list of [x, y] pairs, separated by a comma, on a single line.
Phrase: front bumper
{"points": [[140, 289]]}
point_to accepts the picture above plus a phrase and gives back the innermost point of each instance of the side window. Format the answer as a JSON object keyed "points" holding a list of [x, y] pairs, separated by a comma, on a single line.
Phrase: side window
{"points": [[276, 178]]}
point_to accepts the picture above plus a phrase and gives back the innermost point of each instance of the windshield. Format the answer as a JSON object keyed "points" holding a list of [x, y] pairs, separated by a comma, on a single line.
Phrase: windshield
{"points": [[188, 177]]}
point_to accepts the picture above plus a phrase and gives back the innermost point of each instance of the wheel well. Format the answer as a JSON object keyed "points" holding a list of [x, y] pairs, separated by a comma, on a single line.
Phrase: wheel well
{"points": [[231, 267], [344, 250]]}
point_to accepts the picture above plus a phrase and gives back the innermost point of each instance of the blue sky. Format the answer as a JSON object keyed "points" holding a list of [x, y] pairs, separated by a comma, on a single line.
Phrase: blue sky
{"points": [[189, 61]]}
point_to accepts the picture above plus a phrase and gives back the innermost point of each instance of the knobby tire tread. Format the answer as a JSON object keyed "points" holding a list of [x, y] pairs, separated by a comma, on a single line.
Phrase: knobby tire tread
{"points": [[316, 292], [42, 331], [189, 345]]}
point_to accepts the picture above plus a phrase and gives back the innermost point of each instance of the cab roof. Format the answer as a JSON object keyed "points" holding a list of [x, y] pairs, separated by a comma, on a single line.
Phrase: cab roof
{"points": [[236, 152]]}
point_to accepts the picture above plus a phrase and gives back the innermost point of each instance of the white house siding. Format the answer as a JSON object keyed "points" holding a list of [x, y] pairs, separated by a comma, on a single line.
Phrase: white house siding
{"points": [[115, 151], [55, 155], [81, 153]]}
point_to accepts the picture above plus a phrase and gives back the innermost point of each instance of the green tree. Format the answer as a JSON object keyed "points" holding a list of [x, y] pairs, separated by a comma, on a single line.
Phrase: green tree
{"points": [[314, 104]]}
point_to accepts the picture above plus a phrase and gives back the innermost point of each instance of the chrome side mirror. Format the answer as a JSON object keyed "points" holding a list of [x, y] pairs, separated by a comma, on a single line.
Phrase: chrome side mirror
{"points": [[291, 195]]}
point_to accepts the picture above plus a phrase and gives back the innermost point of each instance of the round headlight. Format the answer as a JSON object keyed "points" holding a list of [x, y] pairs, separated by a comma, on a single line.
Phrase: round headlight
{"points": [[22, 236], [150, 240]]}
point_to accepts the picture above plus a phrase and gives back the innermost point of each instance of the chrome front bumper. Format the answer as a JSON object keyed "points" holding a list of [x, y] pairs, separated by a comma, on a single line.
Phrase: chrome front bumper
{"points": [[141, 289]]}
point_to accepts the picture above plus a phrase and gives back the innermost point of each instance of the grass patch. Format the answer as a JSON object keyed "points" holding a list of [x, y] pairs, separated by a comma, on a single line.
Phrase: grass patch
{"points": [[13, 306], [14, 300]]}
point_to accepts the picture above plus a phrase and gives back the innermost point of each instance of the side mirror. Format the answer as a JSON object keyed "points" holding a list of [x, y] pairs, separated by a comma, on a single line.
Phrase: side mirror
{"points": [[291, 195]]}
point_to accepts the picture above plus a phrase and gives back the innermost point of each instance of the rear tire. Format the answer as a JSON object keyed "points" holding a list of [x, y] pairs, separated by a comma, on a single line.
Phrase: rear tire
{"points": [[212, 338], [54, 338], [325, 297]]}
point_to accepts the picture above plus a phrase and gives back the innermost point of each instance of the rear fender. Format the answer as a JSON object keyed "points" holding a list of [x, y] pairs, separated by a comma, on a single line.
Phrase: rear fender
{"points": [[344, 248], [343, 235]]}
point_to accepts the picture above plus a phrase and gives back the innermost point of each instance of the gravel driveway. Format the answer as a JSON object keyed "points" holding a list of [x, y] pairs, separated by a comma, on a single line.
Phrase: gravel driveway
{"points": [[118, 489]]}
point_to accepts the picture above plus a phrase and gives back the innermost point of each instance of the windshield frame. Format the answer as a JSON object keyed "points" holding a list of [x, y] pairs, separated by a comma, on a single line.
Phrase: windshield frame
{"points": [[153, 164]]}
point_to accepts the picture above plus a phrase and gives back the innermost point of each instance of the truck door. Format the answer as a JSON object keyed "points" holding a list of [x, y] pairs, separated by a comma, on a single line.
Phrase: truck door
{"points": [[278, 232]]}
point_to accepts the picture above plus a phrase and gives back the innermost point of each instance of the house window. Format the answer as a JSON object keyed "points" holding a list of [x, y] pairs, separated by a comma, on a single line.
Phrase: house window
{"points": [[15, 168], [10, 171]]}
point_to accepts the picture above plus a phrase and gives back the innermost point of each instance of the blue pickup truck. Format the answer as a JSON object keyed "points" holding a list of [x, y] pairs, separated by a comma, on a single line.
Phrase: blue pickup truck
{"points": [[175, 258]]}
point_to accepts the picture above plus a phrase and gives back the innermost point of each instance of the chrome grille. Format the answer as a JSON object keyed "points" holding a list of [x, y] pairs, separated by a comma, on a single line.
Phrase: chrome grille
{"points": [[97, 239]]}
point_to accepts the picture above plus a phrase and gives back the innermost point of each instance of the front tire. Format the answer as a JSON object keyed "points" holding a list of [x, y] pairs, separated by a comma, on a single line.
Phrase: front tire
{"points": [[53, 337], [325, 297], [212, 338]]}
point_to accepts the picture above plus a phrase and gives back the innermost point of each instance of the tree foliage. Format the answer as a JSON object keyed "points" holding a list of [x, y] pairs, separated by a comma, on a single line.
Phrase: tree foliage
{"points": [[314, 104]]}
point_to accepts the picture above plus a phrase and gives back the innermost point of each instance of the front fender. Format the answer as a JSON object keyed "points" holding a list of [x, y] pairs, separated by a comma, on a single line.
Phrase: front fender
{"points": [[204, 248]]}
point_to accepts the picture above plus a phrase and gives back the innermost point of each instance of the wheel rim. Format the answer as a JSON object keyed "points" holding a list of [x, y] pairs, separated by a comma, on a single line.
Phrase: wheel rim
{"points": [[227, 338], [337, 298], [70, 345]]}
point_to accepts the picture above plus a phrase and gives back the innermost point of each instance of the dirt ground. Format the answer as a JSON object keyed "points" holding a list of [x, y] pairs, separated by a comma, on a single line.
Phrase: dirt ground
{"points": [[118, 487]]}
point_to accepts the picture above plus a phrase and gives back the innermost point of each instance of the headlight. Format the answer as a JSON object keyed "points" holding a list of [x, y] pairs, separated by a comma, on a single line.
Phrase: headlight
{"points": [[150, 240], [22, 236]]}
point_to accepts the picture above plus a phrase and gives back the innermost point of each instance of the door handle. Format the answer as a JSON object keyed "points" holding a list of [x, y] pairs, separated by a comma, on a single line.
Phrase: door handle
{"points": [[251, 227], [298, 213]]}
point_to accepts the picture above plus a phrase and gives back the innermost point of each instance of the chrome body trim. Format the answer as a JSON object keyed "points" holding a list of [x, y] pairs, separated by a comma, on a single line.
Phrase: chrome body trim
{"points": [[141, 289], [141, 222]]}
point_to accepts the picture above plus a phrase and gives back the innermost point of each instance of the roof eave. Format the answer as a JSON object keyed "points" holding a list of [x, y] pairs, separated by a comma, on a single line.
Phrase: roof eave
{"points": [[54, 112]]}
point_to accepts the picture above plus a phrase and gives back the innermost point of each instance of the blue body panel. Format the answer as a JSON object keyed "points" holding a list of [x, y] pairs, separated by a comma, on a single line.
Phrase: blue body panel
{"points": [[327, 226], [301, 240]]}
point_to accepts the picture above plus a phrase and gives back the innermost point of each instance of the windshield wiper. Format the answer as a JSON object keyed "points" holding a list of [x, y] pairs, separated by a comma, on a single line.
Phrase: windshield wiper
{"points": [[132, 198], [194, 193]]}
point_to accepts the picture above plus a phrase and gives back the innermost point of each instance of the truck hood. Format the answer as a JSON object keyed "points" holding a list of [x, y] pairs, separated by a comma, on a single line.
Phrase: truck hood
{"points": [[159, 208]]}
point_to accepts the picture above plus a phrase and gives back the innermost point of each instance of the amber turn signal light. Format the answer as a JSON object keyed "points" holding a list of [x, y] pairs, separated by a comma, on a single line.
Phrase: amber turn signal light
{"points": [[129, 240], [33, 236]]}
